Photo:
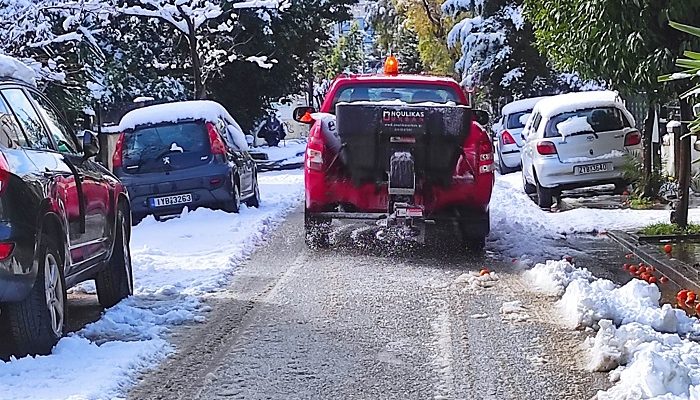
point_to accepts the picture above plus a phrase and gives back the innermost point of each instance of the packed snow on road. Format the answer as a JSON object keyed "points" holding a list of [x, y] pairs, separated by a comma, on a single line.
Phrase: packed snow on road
{"points": [[176, 263]]}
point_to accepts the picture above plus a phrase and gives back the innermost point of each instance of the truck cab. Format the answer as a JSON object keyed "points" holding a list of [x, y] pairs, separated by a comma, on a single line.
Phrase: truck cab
{"points": [[403, 150]]}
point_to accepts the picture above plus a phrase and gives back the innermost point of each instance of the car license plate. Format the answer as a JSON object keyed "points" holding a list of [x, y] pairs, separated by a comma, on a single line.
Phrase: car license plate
{"points": [[171, 200], [592, 168]]}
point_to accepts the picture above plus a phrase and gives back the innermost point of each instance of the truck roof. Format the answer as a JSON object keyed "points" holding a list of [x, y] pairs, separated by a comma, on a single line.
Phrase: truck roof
{"points": [[403, 78]]}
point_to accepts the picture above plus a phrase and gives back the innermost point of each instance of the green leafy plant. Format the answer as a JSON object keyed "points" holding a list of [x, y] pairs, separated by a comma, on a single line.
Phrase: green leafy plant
{"points": [[670, 229], [643, 186]]}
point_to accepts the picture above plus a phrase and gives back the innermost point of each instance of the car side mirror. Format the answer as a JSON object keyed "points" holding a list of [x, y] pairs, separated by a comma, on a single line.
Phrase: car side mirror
{"points": [[481, 116], [250, 139], [91, 147], [303, 115]]}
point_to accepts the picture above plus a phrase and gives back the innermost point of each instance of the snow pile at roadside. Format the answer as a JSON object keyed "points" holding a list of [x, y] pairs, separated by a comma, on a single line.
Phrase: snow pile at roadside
{"points": [[520, 229], [288, 152], [175, 263], [644, 345]]}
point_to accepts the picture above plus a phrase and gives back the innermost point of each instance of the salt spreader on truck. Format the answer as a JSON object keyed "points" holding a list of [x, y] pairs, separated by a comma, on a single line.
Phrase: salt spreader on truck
{"points": [[403, 150]]}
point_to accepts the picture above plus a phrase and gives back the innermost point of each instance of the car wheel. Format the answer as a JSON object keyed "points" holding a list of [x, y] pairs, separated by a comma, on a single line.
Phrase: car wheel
{"points": [[115, 282], [233, 205], [544, 195], [528, 187], [317, 231], [254, 201], [620, 188], [37, 322]]}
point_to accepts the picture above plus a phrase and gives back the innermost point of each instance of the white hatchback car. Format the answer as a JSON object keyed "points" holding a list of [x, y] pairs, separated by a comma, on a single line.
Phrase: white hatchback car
{"points": [[507, 133], [577, 140]]}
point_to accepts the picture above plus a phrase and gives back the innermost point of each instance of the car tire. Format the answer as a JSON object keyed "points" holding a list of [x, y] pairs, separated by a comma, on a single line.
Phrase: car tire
{"points": [[475, 245], [317, 231], [620, 188], [38, 321], [528, 187], [254, 201], [544, 195], [233, 205], [115, 282], [136, 218]]}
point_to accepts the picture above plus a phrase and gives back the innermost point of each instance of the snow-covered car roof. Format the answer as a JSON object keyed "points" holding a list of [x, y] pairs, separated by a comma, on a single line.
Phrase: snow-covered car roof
{"points": [[13, 68], [521, 105], [206, 110], [570, 102]]}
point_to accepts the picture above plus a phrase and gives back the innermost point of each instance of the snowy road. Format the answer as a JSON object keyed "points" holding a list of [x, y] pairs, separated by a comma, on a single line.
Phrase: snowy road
{"points": [[353, 322]]}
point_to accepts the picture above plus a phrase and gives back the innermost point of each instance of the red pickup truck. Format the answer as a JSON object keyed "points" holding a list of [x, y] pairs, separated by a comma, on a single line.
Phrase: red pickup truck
{"points": [[404, 150]]}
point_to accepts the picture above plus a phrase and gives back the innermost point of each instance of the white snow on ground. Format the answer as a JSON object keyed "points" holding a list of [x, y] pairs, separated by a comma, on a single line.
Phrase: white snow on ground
{"points": [[175, 263], [520, 229], [644, 345]]}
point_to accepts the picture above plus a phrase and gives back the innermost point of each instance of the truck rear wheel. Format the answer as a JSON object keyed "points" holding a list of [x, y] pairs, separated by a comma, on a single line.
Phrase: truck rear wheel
{"points": [[317, 231]]}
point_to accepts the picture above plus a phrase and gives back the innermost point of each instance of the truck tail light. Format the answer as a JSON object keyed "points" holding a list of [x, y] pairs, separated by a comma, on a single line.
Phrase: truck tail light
{"points": [[546, 148], [633, 138], [118, 152], [507, 138], [314, 159], [485, 155], [215, 142]]}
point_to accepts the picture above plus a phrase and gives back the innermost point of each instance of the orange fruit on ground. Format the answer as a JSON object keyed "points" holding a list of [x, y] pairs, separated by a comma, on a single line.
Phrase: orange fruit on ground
{"points": [[644, 276], [633, 269], [483, 272], [642, 269], [682, 295], [663, 279], [628, 256], [652, 279], [690, 298], [626, 267], [651, 268], [668, 249], [697, 309]]}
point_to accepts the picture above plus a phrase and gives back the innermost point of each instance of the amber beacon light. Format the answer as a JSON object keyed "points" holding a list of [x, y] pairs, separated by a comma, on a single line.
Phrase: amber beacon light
{"points": [[391, 66]]}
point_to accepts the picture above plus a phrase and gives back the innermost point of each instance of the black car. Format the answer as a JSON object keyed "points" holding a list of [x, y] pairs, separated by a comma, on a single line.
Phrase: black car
{"points": [[64, 219], [184, 154]]}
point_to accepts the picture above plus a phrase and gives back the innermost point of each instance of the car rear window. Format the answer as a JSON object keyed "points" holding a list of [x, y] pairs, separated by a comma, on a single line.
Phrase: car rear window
{"points": [[167, 146], [407, 93], [604, 119], [514, 120]]}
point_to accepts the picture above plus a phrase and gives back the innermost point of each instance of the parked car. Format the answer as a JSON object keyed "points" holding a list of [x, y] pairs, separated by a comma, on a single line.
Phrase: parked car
{"points": [[64, 219], [507, 133], [184, 154], [403, 150], [577, 140]]}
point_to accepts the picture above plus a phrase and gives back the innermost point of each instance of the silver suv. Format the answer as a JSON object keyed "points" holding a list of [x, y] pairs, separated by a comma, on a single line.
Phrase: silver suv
{"points": [[577, 140]]}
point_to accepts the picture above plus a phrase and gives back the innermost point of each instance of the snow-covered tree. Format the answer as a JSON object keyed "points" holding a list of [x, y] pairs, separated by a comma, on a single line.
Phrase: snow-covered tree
{"points": [[393, 35], [211, 29]]}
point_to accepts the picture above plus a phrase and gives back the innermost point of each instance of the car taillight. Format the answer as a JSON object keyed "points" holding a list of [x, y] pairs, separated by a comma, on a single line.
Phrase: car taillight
{"points": [[633, 138], [485, 155], [215, 141], [6, 250], [507, 138], [314, 159], [546, 148], [118, 152]]}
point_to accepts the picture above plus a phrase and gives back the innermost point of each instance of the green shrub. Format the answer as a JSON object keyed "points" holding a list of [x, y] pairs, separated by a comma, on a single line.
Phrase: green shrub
{"points": [[670, 229]]}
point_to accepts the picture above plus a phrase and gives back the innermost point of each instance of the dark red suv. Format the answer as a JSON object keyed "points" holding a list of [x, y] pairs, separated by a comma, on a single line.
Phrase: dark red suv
{"points": [[64, 219]]}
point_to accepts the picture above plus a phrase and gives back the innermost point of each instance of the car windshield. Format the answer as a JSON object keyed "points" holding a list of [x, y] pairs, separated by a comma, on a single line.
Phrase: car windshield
{"points": [[407, 93], [151, 144], [516, 120], [603, 119]]}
